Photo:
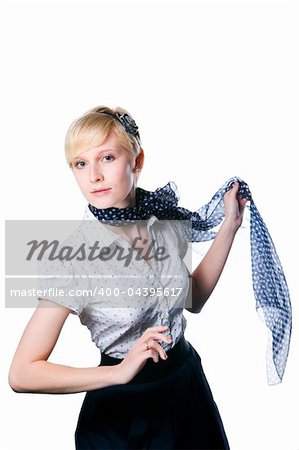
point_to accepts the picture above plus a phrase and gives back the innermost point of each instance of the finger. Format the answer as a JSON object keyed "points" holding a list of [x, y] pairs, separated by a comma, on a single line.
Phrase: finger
{"points": [[235, 186], [155, 346], [151, 353], [151, 330], [243, 201], [157, 328], [232, 191], [159, 336]]}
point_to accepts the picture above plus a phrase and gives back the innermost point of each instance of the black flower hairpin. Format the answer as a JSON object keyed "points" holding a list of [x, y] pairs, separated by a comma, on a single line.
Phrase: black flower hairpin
{"points": [[128, 123]]}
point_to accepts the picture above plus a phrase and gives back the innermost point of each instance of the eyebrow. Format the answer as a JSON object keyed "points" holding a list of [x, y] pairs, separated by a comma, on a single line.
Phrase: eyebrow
{"points": [[98, 154]]}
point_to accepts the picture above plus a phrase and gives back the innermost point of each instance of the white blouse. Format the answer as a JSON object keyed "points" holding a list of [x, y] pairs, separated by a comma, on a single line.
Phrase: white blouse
{"points": [[120, 297]]}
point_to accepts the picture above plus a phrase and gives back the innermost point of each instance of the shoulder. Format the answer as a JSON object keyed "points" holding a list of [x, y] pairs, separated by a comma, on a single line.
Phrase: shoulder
{"points": [[174, 232]]}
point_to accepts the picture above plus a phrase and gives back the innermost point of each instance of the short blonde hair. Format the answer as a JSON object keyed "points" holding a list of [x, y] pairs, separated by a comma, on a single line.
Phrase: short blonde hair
{"points": [[94, 127]]}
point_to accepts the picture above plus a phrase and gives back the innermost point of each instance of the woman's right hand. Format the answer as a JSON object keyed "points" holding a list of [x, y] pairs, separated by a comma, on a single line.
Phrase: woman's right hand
{"points": [[138, 354]]}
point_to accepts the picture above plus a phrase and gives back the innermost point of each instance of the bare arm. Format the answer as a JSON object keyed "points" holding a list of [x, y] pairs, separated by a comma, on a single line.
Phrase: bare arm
{"points": [[207, 273], [31, 372]]}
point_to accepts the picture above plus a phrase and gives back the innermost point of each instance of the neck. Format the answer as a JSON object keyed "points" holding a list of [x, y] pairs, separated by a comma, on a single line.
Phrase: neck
{"points": [[132, 197]]}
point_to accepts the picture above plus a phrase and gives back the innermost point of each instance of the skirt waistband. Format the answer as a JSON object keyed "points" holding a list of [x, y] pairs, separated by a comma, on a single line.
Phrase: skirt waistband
{"points": [[152, 371]]}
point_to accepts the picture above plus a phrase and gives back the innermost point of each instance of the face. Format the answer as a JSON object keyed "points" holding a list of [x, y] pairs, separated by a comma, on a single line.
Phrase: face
{"points": [[105, 174]]}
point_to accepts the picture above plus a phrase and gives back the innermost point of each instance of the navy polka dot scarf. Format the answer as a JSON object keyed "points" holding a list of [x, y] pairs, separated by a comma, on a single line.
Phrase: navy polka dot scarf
{"points": [[269, 284]]}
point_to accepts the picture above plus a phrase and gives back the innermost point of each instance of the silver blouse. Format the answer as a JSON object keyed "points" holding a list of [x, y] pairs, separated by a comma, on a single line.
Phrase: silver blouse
{"points": [[119, 298]]}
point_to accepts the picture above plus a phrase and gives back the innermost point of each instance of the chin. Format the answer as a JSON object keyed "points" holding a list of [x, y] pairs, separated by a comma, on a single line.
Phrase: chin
{"points": [[101, 205]]}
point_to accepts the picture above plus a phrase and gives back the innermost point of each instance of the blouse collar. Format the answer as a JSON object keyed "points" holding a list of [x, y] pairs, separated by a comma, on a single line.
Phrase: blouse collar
{"points": [[106, 236]]}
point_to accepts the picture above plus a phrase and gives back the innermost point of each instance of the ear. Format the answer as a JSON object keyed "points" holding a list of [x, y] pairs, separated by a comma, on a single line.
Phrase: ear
{"points": [[139, 161]]}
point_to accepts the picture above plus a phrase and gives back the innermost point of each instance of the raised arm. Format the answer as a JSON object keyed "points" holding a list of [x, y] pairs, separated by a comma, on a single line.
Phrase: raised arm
{"points": [[31, 372], [207, 273]]}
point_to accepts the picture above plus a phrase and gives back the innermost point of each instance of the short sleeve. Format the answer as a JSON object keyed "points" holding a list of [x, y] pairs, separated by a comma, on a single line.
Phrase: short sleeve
{"points": [[179, 227], [63, 282]]}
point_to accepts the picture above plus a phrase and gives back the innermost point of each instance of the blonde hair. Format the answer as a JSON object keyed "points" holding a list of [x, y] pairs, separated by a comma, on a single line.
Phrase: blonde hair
{"points": [[94, 127]]}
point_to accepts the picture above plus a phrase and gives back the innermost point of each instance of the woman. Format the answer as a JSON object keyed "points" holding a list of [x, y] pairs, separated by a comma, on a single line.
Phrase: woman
{"points": [[149, 391]]}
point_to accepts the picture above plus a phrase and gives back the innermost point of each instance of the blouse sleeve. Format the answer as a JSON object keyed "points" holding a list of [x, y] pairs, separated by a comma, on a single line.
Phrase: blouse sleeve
{"points": [[179, 227], [64, 283]]}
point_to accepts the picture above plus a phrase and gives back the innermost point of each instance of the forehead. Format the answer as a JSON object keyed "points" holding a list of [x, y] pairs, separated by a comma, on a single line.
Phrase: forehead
{"points": [[112, 142]]}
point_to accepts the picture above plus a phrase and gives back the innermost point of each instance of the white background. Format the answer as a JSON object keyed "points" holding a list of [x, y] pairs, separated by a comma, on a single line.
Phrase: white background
{"points": [[213, 87]]}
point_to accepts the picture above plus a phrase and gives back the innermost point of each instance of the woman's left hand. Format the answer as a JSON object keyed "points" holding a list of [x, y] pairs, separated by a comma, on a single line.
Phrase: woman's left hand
{"points": [[234, 207]]}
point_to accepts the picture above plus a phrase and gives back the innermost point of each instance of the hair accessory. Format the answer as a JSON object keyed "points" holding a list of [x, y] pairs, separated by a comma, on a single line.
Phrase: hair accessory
{"points": [[127, 122]]}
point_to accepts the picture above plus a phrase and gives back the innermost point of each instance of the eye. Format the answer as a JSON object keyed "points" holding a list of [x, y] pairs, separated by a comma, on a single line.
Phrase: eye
{"points": [[109, 156], [79, 164]]}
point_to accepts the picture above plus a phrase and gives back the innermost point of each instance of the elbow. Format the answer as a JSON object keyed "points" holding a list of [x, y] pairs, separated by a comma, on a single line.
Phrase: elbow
{"points": [[195, 298], [199, 303], [16, 382], [17, 389], [194, 310], [195, 307], [15, 385], [197, 310]]}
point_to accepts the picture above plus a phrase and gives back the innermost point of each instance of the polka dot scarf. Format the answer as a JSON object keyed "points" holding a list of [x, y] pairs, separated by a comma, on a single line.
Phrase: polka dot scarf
{"points": [[269, 283]]}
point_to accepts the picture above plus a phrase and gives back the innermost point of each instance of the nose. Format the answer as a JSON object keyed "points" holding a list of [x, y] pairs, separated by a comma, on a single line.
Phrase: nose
{"points": [[95, 173]]}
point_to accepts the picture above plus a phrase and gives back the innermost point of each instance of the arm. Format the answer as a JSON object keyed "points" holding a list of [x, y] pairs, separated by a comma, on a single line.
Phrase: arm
{"points": [[207, 273], [31, 372]]}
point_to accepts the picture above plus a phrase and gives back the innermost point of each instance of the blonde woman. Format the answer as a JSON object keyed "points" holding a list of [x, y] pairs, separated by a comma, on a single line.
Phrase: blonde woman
{"points": [[149, 390]]}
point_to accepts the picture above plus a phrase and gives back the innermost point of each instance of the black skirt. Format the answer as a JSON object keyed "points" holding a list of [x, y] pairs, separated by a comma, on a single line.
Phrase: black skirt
{"points": [[167, 405]]}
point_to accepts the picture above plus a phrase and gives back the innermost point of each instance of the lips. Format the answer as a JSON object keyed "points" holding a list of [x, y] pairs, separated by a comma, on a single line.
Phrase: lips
{"points": [[97, 191]]}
